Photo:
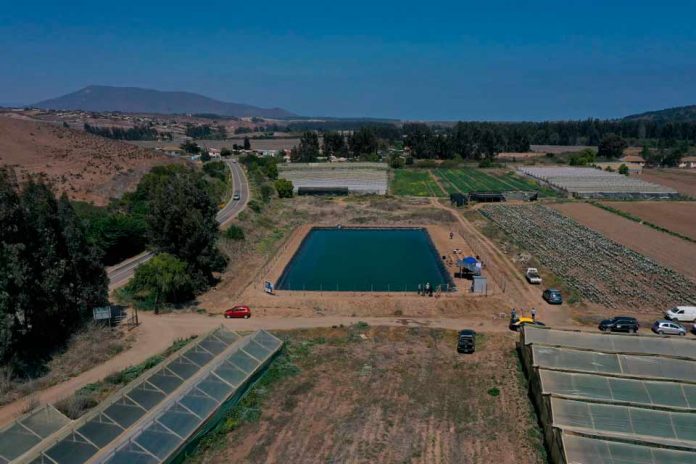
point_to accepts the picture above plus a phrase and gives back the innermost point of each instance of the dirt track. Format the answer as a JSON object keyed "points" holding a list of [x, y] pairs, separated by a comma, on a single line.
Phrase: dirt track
{"points": [[668, 250], [676, 216]]}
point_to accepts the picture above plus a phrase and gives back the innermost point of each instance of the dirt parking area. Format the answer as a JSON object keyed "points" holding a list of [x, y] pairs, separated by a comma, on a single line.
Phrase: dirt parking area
{"points": [[676, 216], [682, 180], [668, 250], [387, 395]]}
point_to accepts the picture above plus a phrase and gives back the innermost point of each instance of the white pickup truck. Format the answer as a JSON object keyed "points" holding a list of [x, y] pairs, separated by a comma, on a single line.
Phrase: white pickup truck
{"points": [[533, 276]]}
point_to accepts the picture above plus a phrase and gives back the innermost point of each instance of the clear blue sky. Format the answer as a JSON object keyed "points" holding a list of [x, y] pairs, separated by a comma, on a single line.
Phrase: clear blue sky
{"points": [[437, 60]]}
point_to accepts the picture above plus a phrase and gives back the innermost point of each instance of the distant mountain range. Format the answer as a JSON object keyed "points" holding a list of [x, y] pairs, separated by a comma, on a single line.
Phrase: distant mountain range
{"points": [[137, 100], [677, 114]]}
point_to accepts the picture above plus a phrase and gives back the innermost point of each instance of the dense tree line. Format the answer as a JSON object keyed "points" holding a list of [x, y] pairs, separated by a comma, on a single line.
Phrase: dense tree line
{"points": [[50, 275], [132, 133], [206, 131]]}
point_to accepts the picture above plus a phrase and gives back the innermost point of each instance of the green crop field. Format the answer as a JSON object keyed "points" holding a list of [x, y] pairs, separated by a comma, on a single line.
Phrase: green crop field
{"points": [[467, 180], [419, 183]]}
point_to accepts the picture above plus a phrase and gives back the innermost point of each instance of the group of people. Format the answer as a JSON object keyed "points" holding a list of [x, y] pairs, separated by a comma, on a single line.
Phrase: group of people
{"points": [[426, 289], [514, 316]]}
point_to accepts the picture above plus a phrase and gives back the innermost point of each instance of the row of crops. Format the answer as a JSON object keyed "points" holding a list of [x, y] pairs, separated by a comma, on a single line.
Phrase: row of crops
{"points": [[477, 180], [599, 269], [430, 183]]}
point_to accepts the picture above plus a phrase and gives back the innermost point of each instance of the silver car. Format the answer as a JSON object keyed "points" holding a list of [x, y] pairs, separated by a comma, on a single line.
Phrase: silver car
{"points": [[668, 327]]}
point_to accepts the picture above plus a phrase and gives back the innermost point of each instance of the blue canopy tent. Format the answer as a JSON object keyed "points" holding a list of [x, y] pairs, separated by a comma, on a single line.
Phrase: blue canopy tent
{"points": [[470, 264]]}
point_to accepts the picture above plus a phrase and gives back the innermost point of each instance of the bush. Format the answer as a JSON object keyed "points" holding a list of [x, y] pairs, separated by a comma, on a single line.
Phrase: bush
{"points": [[255, 206], [550, 155], [396, 162], [234, 233], [486, 163], [267, 192], [163, 279], [623, 169], [426, 163], [284, 188], [216, 169]]}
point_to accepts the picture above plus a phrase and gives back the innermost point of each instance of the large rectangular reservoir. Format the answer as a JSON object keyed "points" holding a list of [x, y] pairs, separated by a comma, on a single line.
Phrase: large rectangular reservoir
{"points": [[365, 259]]}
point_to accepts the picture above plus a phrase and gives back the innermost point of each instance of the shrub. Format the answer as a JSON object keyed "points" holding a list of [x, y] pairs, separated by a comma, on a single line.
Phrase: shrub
{"points": [[163, 279], [486, 163], [623, 169], [495, 391], [255, 206], [234, 233], [396, 162], [266, 192], [284, 188]]}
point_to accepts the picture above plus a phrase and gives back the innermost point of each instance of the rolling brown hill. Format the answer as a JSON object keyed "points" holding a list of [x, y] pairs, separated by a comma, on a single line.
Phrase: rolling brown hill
{"points": [[85, 166]]}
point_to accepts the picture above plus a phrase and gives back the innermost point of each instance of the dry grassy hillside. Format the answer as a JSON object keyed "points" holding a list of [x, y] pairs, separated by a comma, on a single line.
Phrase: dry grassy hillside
{"points": [[84, 166]]}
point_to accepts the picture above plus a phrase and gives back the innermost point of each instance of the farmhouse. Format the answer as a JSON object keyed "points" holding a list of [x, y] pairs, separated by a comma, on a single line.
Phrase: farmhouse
{"points": [[688, 162]]}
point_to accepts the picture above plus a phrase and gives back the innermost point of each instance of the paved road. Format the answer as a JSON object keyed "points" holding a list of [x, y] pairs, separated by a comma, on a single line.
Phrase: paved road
{"points": [[120, 273]]}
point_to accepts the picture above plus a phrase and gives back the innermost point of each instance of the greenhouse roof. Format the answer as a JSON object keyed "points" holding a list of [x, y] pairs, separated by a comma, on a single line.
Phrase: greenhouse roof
{"points": [[616, 399], [77, 441], [581, 449], [28, 431], [612, 343]]}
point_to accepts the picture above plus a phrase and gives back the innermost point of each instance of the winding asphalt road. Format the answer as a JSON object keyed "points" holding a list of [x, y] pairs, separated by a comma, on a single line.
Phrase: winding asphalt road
{"points": [[119, 274]]}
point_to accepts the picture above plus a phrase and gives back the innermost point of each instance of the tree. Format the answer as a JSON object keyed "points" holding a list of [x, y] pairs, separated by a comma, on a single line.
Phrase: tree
{"points": [[190, 147], [50, 275], [225, 152], [363, 142], [247, 143], [396, 162], [163, 279], [272, 170], [335, 144], [205, 156], [182, 222], [623, 169], [307, 151], [611, 146], [284, 188]]}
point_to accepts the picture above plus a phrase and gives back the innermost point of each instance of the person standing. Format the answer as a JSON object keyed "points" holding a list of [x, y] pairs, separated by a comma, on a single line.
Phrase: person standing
{"points": [[513, 314], [533, 314]]}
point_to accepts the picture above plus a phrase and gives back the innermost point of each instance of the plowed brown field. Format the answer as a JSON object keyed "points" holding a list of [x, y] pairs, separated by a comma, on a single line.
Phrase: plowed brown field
{"points": [[677, 216], [396, 395], [682, 180], [668, 250]]}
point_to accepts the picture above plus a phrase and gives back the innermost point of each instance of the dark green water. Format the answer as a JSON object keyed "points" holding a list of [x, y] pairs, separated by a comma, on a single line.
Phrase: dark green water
{"points": [[394, 260]]}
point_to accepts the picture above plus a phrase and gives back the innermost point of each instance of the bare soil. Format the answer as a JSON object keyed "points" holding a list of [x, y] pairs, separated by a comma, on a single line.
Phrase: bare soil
{"points": [[84, 166], [682, 180], [390, 395], [676, 216], [668, 250]]}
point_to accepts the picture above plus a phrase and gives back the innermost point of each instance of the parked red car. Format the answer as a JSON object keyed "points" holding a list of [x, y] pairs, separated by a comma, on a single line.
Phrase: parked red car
{"points": [[238, 311]]}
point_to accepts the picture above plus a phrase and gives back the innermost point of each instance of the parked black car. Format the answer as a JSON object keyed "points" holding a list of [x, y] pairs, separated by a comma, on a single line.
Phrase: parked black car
{"points": [[552, 296], [467, 341], [619, 324]]}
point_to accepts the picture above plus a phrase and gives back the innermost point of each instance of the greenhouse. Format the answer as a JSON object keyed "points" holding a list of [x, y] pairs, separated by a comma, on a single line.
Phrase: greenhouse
{"points": [[159, 413], [608, 398]]}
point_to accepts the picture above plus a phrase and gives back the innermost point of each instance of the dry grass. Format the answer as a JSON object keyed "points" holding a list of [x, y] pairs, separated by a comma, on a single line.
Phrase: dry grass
{"points": [[86, 349], [387, 395]]}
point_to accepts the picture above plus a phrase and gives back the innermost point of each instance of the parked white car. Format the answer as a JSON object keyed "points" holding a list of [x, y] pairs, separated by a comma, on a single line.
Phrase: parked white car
{"points": [[682, 314], [533, 276]]}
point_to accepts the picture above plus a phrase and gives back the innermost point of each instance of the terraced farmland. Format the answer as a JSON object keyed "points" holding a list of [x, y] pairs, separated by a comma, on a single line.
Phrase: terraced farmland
{"points": [[418, 183], [600, 270], [467, 180]]}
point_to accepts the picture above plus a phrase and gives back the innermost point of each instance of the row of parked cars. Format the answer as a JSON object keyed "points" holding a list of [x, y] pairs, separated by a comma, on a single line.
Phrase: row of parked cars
{"points": [[671, 325]]}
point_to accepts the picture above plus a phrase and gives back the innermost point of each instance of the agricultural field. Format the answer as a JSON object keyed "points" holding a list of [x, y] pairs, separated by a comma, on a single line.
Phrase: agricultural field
{"points": [[385, 395], [417, 183], [682, 180], [600, 270], [467, 180], [670, 251], [358, 177], [675, 216]]}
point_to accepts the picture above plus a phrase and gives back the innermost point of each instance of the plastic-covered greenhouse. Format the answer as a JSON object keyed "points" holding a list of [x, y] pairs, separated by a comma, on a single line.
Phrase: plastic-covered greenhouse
{"points": [[607, 398], [157, 415]]}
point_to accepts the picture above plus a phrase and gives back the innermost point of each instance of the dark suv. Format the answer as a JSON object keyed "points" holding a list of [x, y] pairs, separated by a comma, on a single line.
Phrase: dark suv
{"points": [[466, 341], [552, 296], [619, 324]]}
